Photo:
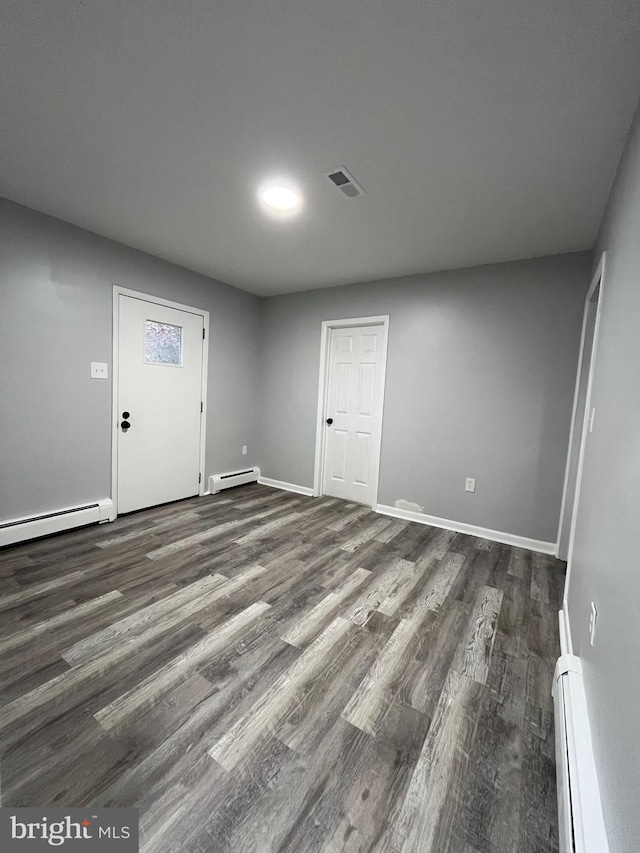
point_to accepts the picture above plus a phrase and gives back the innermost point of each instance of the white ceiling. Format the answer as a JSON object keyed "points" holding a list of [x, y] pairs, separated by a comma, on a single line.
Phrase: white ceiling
{"points": [[481, 130]]}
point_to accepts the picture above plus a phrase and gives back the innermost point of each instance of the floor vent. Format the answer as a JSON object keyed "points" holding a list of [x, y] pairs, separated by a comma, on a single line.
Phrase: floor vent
{"points": [[29, 527], [218, 482], [580, 819], [345, 182]]}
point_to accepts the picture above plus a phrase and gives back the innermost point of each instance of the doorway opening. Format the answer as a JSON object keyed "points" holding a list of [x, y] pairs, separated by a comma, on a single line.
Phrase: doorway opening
{"points": [[582, 420]]}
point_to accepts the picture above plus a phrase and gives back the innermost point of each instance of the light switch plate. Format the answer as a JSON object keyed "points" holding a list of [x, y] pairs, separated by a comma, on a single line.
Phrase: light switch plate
{"points": [[99, 370]]}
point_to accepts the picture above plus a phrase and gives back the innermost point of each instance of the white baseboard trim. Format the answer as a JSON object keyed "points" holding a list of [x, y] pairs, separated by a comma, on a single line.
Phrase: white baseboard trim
{"points": [[30, 527], [287, 487], [470, 529]]}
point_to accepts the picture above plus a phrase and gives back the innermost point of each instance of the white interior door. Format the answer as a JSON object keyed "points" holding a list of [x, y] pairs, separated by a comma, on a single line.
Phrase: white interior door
{"points": [[353, 412], [159, 396]]}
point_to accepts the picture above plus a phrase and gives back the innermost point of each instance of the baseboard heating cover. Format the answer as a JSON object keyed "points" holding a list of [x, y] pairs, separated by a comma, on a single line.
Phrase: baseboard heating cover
{"points": [[580, 818], [218, 482], [30, 527]]}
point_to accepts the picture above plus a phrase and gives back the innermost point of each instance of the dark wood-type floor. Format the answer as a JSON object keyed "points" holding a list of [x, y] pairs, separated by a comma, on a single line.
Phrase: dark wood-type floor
{"points": [[259, 671]]}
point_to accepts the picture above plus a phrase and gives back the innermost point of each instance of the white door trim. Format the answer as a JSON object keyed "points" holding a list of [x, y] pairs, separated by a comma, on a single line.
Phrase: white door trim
{"points": [[597, 282], [327, 326], [574, 414], [157, 300]]}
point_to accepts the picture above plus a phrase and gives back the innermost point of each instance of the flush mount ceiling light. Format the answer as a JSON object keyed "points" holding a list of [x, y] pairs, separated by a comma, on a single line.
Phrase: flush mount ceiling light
{"points": [[280, 197]]}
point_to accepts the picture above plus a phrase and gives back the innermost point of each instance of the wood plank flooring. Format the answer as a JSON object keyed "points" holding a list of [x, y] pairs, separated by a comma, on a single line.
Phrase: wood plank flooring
{"points": [[260, 672]]}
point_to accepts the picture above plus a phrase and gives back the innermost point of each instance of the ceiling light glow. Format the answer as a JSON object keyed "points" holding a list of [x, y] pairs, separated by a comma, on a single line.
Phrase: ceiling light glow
{"points": [[280, 198]]}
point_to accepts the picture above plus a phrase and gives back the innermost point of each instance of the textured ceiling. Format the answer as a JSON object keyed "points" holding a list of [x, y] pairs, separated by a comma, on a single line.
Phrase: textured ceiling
{"points": [[481, 130]]}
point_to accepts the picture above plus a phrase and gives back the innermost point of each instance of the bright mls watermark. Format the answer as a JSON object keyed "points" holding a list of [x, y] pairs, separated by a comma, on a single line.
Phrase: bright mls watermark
{"points": [[80, 830]]}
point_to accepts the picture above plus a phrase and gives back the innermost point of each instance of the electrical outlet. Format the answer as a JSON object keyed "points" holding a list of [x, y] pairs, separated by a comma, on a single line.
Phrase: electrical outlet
{"points": [[99, 370], [593, 618], [470, 485], [244, 449]]}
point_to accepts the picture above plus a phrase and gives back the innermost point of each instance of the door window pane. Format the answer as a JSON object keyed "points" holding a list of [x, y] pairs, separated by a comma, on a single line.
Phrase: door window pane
{"points": [[162, 343]]}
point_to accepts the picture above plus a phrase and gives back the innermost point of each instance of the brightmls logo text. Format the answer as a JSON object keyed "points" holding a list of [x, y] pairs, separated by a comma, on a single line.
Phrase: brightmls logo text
{"points": [[85, 830], [54, 833]]}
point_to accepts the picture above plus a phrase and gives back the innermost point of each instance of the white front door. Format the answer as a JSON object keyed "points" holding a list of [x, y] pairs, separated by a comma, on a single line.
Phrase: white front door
{"points": [[353, 412], [160, 353]]}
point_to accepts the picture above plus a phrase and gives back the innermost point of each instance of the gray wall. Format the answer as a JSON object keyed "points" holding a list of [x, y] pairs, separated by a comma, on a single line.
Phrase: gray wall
{"points": [[606, 558], [481, 371], [55, 318]]}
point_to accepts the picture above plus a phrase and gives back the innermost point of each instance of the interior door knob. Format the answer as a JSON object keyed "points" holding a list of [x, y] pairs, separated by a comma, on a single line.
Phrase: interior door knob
{"points": [[329, 421], [125, 425]]}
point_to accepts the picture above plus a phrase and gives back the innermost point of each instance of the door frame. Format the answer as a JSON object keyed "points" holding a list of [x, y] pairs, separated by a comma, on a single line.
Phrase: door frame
{"points": [[596, 286], [119, 291], [323, 385]]}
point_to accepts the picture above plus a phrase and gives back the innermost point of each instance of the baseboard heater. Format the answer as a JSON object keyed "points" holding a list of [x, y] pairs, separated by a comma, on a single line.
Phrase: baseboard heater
{"points": [[29, 527], [580, 818], [218, 482]]}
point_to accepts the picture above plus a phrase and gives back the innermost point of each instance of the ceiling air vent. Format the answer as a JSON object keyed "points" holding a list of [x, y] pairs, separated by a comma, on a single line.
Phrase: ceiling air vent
{"points": [[345, 182]]}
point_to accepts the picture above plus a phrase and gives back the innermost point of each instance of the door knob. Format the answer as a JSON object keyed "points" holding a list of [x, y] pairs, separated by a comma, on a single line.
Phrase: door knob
{"points": [[329, 421], [125, 425]]}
